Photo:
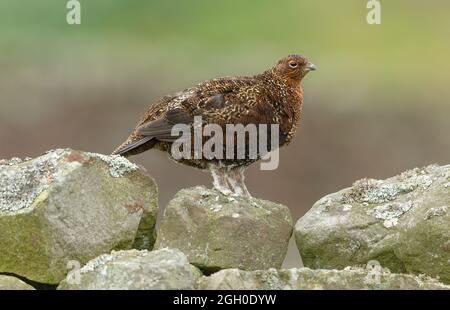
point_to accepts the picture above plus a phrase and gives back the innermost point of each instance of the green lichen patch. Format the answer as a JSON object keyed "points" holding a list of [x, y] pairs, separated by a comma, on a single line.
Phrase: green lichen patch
{"points": [[67, 206], [135, 270], [217, 231], [22, 181], [351, 278], [402, 222]]}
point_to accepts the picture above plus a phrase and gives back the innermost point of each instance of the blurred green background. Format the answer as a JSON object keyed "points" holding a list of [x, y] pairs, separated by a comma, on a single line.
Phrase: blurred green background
{"points": [[378, 104]]}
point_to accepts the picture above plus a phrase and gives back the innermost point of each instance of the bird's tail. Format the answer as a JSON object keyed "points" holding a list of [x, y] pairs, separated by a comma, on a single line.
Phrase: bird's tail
{"points": [[132, 148]]}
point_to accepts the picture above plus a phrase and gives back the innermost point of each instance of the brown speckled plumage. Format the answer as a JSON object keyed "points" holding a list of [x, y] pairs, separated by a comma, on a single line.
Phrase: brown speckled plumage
{"points": [[273, 97]]}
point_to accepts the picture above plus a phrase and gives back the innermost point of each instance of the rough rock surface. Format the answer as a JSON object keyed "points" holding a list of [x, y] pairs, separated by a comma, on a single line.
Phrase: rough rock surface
{"points": [[135, 270], [320, 279], [68, 205], [218, 232], [13, 284], [402, 222]]}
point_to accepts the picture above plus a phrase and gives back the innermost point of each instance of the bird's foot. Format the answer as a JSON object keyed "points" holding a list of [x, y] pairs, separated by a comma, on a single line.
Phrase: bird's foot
{"points": [[242, 193], [236, 192], [239, 190], [246, 193], [223, 190], [229, 182]]}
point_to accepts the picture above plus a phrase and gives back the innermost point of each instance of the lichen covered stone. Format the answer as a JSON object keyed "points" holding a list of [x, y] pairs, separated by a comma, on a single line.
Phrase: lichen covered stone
{"points": [[402, 222], [165, 269], [320, 279], [71, 206], [217, 231]]}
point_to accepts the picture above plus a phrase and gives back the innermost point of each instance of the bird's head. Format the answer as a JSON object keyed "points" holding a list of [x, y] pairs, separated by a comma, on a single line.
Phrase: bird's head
{"points": [[293, 67]]}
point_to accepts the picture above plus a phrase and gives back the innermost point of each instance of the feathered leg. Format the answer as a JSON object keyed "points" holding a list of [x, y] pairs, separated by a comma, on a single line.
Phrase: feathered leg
{"points": [[236, 179], [219, 175]]}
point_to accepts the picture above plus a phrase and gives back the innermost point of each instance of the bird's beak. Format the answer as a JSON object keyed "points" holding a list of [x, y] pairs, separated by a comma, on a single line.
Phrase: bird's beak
{"points": [[310, 67]]}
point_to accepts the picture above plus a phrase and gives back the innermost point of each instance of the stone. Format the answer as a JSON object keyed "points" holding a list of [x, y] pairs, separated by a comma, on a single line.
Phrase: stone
{"points": [[402, 222], [319, 279], [13, 284], [217, 231], [71, 206], [164, 269]]}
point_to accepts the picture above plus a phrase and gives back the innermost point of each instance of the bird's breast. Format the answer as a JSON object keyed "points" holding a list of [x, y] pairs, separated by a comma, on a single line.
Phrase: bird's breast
{"points": [[290, 114]]}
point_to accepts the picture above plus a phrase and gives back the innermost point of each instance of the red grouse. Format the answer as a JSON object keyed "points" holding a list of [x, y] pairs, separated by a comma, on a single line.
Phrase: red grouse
{"points": [[272, 97]]}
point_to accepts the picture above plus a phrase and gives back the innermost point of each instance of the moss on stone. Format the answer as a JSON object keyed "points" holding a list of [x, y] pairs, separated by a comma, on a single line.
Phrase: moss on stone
{"points": [[217, 231], [402, 222]]}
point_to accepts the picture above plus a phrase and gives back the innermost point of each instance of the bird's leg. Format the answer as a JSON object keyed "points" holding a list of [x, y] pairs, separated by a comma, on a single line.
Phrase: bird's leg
{"points": [[236, 179], [241, 181], [219, 175], [232, 178]]}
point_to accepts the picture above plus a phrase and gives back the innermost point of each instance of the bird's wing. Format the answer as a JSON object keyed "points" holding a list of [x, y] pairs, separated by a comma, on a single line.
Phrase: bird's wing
{"points": [[245, 104], [221, 101], [161, 128]]}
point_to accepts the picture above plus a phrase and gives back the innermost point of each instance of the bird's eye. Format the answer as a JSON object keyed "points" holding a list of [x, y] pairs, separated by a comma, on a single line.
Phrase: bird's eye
{"points": [[293, 64]]}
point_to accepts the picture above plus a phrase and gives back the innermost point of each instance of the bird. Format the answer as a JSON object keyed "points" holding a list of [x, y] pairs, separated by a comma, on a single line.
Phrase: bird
{"points": [[272, 97]]}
